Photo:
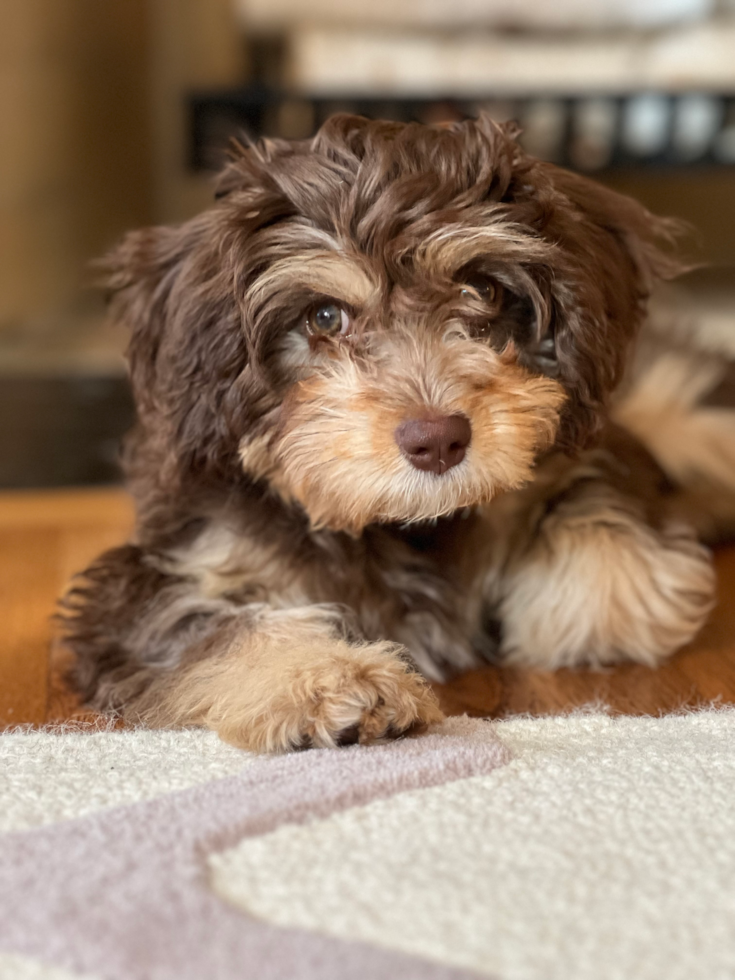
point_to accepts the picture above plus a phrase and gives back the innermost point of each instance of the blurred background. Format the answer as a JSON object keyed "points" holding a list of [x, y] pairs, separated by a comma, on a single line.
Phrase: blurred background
{"points": [[114, 115]]}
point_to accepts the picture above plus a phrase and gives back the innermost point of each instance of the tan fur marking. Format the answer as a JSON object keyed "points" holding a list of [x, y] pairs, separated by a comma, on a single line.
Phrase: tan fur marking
{"points": [[222, 563], [599, 586], [326, 273], [450, 248], [337, 455], [291, 681], [690, 442]]}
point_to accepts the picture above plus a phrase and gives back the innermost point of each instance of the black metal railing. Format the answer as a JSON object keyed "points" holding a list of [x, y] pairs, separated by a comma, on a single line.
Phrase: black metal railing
{"points": [[586, 132]]}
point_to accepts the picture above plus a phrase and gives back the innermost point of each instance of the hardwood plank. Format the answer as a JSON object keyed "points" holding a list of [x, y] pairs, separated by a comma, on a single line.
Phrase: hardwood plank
{"points": [[65, 508], [45, 537], [29, 584]]}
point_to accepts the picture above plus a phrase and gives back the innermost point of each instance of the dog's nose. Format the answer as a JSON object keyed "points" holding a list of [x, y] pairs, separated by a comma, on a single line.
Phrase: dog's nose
{"points": [[435, 445]]}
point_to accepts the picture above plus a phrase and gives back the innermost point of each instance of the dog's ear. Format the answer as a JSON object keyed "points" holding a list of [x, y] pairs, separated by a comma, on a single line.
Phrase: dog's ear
{"points": [[140, 274], [179, 292], [611, 252], [646, 241]]}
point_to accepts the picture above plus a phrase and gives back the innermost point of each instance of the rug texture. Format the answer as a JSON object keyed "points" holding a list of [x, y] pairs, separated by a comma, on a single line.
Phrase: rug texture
{"points": [[578, 848]]}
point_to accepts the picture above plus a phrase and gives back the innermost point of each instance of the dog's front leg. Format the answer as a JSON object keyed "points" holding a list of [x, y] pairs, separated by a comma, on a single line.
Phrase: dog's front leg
{"points": [[599, 583], [285, 679]]}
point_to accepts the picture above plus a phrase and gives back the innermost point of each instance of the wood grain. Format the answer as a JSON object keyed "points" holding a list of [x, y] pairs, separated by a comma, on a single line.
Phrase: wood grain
{"points": [[29, 582], [67, 509], [46, 537]]}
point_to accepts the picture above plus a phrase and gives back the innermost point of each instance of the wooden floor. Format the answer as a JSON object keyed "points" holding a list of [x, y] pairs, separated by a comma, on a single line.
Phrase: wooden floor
{"points": [[46, 537]]}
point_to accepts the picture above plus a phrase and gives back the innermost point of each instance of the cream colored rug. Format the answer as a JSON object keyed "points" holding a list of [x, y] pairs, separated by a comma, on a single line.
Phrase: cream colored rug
{"points": [[578, 848]]}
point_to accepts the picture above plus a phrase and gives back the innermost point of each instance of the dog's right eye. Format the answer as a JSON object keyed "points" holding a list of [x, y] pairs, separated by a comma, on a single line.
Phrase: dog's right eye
{"points": [[327, 320], [480, 287]]}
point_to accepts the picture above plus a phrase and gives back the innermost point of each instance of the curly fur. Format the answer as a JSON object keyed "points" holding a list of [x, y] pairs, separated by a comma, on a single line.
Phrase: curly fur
{"points": [[291, 568]]}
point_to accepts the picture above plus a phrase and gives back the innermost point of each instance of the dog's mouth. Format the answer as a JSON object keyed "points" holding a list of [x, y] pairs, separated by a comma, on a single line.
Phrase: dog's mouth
{"points": [[428, 530], [431, 523], [437, 536]]}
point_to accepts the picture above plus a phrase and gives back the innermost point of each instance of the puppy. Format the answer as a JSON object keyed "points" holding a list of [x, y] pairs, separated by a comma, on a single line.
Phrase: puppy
{"points": [[392, 422]]}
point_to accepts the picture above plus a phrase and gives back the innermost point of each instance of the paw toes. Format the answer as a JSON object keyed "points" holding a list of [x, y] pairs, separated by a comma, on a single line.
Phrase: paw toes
{"points": [[365, 705], [348, 736], [301, 744], [395, 731]]}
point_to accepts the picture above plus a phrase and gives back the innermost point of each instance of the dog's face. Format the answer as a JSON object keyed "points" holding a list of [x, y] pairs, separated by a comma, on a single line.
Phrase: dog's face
{"points": [[386, 323]]}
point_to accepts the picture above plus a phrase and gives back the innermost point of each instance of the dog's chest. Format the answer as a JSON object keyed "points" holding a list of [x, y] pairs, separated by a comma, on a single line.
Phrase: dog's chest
{"points": [[389, 574]]}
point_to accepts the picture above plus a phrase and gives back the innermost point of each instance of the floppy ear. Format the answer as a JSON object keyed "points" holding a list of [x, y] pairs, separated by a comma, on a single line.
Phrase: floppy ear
{"points": [[178, 290], [174, 291], [611, 252], [140, 274]]}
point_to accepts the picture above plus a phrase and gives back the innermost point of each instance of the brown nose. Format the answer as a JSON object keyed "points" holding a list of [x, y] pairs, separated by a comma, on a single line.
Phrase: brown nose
{"points": [[435, 445]]}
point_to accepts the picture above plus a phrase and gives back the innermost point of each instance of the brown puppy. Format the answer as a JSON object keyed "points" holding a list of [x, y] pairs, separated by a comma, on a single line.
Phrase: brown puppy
{"points": [[373, 386]]}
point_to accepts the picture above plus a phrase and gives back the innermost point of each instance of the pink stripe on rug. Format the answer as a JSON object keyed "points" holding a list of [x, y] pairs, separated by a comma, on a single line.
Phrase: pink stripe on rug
{"points": [[123, 894]]}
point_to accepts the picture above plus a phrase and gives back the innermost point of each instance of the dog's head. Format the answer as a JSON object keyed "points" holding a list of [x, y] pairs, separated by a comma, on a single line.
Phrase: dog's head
{"points": [[387, 322]]}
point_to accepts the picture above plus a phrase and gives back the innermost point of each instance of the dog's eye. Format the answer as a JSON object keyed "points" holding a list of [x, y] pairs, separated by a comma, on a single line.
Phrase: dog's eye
{"points": [[327, 320], [479, 287]]}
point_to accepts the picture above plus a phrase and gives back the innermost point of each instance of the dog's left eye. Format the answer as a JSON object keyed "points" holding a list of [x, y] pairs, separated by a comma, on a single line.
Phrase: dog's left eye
{"points": [[327, 320]]}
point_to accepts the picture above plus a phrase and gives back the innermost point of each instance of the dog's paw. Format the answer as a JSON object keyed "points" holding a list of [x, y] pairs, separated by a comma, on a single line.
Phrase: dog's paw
{"points": [[600, 592], [346, 695]]}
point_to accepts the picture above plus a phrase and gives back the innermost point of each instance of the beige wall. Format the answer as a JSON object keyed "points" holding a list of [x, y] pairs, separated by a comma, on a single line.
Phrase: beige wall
{"points": [[196, 44], [92, 131], [74, 167]]}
